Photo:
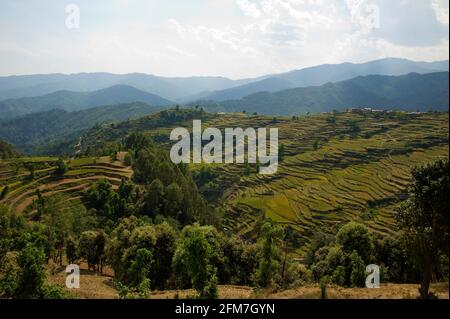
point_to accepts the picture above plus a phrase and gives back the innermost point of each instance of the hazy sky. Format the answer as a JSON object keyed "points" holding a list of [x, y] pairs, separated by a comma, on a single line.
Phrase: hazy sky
{"points": [[233, 38]]}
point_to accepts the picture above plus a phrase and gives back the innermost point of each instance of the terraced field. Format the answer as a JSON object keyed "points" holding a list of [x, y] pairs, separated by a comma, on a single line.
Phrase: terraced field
{"points": [[330, 176], [353, 165], [81, 173], [337, 167]]}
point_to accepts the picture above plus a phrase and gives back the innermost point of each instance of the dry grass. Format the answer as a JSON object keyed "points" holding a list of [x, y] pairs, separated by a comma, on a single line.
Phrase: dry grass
{"points": [[100, 286]]}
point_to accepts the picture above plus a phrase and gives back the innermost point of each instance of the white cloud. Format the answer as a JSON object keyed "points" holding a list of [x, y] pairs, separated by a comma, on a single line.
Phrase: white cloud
{"points": [[440, 8], [248, 8], [236, 39]]}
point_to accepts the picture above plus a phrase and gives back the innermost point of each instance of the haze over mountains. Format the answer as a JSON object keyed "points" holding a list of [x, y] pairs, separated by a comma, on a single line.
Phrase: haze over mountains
{"points": [[322, 74], [409, 92], [210, 88], [76, 101]]}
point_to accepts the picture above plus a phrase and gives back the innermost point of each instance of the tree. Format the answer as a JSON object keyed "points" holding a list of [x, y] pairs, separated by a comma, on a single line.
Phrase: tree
{"points": [[174, 199], [71, 250], [196, 253], [61, 167], [281, 152], [338, 276], [154, 197], [271, 235], [163, 254], [358, 274], [99, 196], [356, 237], [424, 219], [139, 268], [31, 275], [127, 160], [91, 248], [316, 145], [30, 167], [4, 192]]}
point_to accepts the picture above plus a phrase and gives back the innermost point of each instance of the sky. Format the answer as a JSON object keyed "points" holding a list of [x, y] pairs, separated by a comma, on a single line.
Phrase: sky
{"points": [[231, 38]]}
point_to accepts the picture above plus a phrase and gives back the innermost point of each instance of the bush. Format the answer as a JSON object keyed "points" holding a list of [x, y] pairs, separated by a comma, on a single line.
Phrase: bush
{"points": [[338, 276], [127, 160], [358, 274]]}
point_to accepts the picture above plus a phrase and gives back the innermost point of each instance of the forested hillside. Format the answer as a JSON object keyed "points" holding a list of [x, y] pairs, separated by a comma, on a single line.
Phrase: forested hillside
{"points": [[410, 92], [57, 131], [75, 101], [322, 74]]}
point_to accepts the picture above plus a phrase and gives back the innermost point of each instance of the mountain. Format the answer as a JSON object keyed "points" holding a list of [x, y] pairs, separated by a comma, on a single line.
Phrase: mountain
{"points": [[407, 92], [319, 75], [12, 87], [75, 101], [52, 130], [186, 89]]}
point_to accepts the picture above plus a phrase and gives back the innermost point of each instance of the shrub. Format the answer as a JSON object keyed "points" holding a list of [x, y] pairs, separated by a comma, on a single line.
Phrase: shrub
{"points": [[358, 274], [338, 276]]}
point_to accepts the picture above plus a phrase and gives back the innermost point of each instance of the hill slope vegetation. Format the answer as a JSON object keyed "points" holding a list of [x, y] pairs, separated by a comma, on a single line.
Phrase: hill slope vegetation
{"points": [[408, 92], [76, 101]]}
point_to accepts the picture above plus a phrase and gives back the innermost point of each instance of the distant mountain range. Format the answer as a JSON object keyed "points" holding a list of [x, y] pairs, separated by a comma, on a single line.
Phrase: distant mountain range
{"points": [[323, 74], [407, 92], [50, 129], [75, 101], [211, 88], [12, 87]]}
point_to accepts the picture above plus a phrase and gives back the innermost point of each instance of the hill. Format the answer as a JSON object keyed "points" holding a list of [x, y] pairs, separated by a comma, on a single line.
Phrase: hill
{"points": [[185, 89], [54, 131], [12, 87], [408, 92], [75, 101], [322, 74], [335, 167], [80, 175]]}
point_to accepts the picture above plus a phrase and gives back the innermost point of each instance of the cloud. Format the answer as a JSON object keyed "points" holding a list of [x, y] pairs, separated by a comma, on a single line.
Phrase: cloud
{"points": [[240, 38], [248, 8]]}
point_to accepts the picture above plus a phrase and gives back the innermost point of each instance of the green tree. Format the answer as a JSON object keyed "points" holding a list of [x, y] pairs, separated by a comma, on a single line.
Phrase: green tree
{"points": [[281, 152], [358, 274], [271, 236], [174, 199], [154, 197], [196, 253], [424, 219], [92, 248], [71, 250], [61, 167], [163, 254], [31, 276], [354, 236], [338, 276]]}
